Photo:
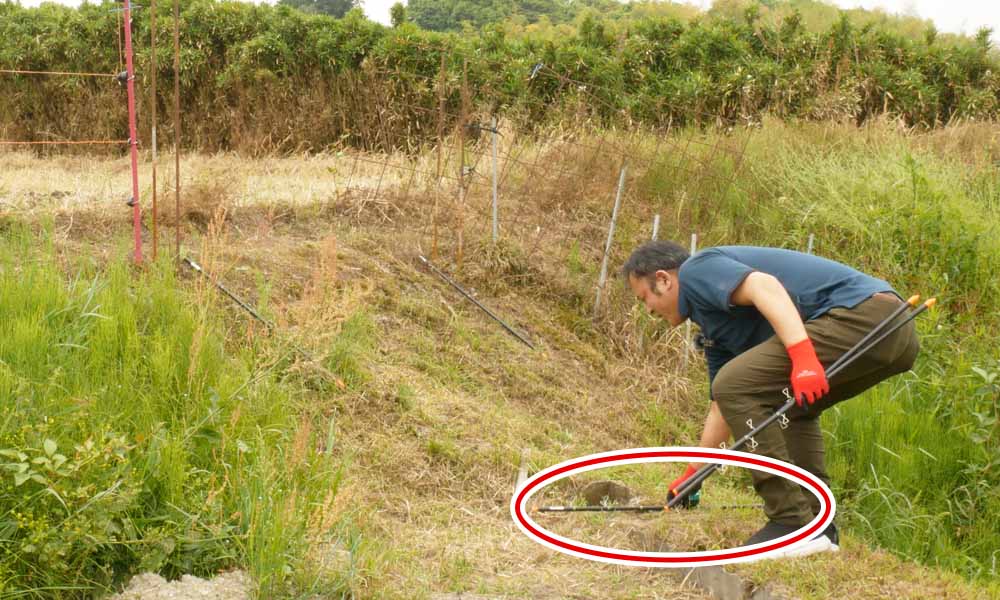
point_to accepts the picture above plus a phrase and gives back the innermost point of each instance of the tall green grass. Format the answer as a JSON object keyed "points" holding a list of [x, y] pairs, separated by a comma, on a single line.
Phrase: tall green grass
{"points": [[133, 437]]}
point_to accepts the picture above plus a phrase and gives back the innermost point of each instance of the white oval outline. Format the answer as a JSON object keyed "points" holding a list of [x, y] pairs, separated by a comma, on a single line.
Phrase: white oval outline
{"points": [[635, 556]]}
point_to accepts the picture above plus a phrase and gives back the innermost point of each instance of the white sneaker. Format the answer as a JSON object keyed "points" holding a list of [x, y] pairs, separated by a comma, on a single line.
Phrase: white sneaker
{"points": [[824, 542], [813, 546]]}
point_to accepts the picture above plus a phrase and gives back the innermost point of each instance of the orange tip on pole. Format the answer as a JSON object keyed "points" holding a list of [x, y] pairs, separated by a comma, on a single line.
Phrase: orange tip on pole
{"points": [[913, 300], [930, 303]]}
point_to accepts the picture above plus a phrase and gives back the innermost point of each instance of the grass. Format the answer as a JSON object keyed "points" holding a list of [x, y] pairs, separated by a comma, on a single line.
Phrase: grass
{"points": [[149, 444], [421, 442]]}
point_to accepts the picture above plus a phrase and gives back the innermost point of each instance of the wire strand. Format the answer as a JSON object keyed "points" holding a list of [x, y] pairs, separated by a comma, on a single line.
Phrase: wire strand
{"points": [[64, 142], [81, 74]]}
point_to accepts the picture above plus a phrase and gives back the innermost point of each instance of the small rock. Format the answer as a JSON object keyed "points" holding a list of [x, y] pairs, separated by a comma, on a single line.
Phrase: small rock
{"points": [[234, 585]]}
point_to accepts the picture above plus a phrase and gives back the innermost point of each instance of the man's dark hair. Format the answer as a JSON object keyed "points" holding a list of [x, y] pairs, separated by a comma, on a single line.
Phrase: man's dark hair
{"points": [[654, 256]]}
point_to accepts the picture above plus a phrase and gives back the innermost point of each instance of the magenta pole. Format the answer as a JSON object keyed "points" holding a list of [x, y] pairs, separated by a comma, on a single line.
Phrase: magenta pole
{"points": [[133, 142]]}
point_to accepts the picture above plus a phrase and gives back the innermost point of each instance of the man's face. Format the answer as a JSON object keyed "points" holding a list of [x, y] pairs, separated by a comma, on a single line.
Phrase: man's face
{"points": [[659, 294]]}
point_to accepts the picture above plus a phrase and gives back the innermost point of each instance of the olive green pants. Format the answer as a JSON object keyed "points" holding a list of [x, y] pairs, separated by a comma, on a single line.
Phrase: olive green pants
{"points": [[750, 387]]}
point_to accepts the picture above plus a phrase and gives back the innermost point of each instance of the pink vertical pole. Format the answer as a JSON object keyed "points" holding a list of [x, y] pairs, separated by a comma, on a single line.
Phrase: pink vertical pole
{"points": [[133, 142]]}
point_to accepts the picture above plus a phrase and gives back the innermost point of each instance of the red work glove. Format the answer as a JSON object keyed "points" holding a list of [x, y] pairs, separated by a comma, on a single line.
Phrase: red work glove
{"points": [[808, 376], [693, 498]]}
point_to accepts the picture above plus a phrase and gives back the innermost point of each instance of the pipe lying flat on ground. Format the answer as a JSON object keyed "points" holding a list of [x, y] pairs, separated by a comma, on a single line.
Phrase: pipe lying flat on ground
{"points": [[476, 302], [267, 323]]}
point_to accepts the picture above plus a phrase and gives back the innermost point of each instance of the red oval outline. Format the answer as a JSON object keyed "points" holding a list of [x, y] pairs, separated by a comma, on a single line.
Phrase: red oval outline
{"points": [[667, 559]]}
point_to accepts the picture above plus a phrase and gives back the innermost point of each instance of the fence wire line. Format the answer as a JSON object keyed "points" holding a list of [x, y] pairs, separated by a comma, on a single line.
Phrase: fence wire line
{"points": [[510, 160], [63, 142], [72, 73], [556, 185], [480, 203]]}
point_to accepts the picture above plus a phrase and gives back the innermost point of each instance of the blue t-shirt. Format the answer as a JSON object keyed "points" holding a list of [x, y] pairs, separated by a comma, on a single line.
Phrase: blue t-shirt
{"points": [[709, 278]]}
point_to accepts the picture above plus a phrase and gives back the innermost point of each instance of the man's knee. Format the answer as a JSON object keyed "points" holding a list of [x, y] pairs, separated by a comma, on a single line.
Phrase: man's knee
{"points": [[909, 356], [725, 384]]}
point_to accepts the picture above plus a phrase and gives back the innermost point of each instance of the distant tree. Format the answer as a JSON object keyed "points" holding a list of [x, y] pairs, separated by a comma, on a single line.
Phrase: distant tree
{"points": [[397, 14], [335, 8], [449, 15], [930, 34], [983, 38]]}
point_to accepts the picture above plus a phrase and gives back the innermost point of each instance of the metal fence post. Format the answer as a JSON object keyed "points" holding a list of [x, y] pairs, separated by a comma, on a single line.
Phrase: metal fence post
{"points": [[611, 234], [496, 223], [687, 328]]}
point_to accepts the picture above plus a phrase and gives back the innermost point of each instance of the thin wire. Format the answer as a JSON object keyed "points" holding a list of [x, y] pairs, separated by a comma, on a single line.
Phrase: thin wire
{"points": [[65, 142], [22, 72]]}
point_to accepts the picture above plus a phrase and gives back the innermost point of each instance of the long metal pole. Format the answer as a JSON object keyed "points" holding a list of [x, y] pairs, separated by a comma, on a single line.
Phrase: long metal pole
{"points": [[440, 150], [177, 130], [611, 235], [132, 137], [267, 323], [687, 325], [153, 68], [461, 290], [640, 509], [462, 123], [496, 222]]}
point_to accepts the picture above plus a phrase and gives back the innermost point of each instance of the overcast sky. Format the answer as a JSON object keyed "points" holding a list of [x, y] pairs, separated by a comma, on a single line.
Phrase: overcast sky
{"points": [[956, 16]]}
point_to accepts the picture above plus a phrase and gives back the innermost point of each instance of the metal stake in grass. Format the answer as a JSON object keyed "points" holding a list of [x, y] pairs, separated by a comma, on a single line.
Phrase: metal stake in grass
{"points": [[461, 290], [611, 235], [267, 323]]}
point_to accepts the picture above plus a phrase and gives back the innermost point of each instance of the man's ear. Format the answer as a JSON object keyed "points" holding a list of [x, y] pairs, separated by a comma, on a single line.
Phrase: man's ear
{"points": [[666, 277]]}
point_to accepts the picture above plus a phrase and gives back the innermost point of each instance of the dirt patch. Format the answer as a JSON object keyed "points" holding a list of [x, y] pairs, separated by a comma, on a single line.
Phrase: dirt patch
{"points": [[611, 492]]}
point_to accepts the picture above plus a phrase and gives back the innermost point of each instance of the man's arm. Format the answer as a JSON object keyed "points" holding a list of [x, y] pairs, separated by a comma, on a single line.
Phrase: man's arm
{"points": [[715, 432], [766, 293]]}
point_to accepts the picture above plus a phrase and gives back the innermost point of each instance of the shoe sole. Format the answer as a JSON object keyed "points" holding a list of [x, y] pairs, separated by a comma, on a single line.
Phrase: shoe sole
{"points": [[815, 546]]}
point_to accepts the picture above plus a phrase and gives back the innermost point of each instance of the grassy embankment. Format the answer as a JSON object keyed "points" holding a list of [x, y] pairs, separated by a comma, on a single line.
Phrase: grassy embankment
{"points": [[403, 471]]}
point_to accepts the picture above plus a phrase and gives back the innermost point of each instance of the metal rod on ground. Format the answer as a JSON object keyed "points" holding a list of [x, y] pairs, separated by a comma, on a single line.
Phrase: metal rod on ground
{"points": [[267, 323], [809, 247], [656, 226], [687, 325], [462, 291], [611, 235], [496, 222], [645, 508], [846, 359], [225, 290]]}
